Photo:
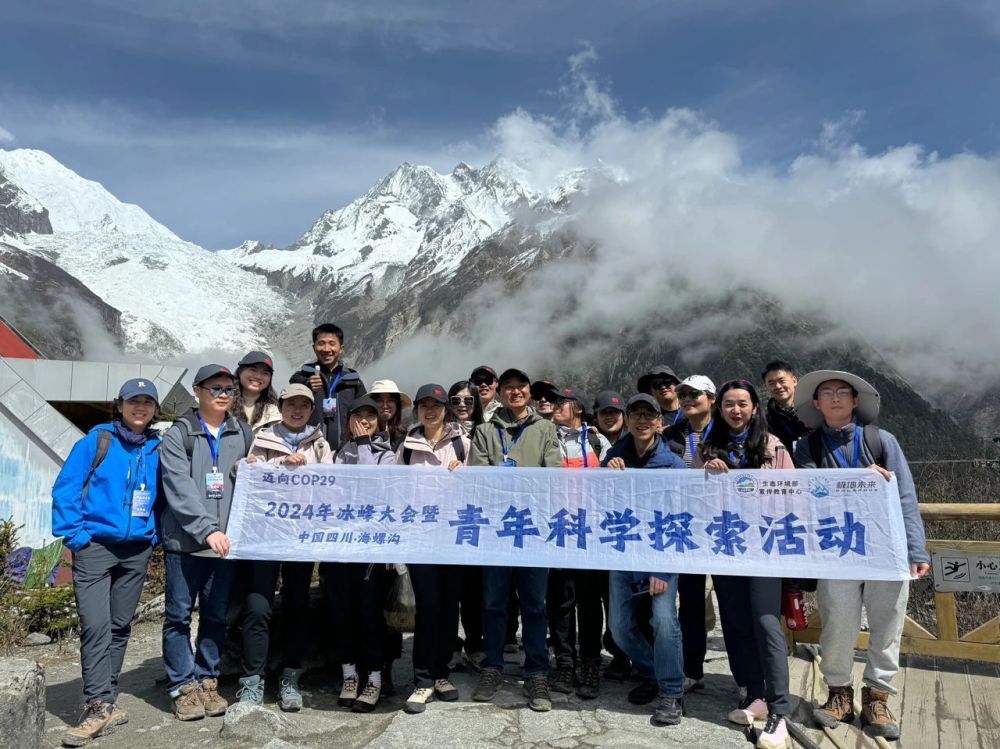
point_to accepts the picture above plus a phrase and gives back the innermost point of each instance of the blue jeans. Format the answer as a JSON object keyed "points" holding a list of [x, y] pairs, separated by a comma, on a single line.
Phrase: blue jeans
{"points": [[663, 661], [531, 585], [207, 579]]}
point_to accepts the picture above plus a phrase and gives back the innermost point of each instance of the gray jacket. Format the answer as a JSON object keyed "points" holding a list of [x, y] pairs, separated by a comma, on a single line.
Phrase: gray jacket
{"points": [[895, 462], [189, 517]]}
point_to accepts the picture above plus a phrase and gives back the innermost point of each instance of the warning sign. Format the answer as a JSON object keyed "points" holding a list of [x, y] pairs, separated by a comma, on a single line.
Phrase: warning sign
{"points": [[956, 570]]}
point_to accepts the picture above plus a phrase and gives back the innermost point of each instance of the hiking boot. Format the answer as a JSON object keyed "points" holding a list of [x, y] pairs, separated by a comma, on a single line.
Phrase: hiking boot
{"points": [[691, 685], [289, 696], [619, 669], [215, 704], [368, 698], [95, 721], [838, 708], [749, 710], [668, 712], [537, 689], [476, 660], [348, 692], [875, 715], [457, 662], [646, 692], [445, 690], [589, 687], [417, 701], [490, 680], [775, 733], [565, 677], [188, 704], [251, 690], [118, 716]]}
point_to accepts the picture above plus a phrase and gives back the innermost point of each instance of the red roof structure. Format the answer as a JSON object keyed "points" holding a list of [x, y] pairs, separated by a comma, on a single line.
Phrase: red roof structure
{"points": [[15, 346]]}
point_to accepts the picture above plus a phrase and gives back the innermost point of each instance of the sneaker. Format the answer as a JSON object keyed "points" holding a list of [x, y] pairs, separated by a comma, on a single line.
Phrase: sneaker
{"points": [[188, 704], [691, 685], [838, 708], [476, 660], [750, 709], [589, 687], [417, 702], [775, 733], [646, 692], [208, 692], [457, 662], [668, 712], [445, 690], [875, 716], [95, 721], [348, 692], [537, 689], [619, 669], [565, 677], [368, 698], [490, 680], [289, 696], [251, 690]]}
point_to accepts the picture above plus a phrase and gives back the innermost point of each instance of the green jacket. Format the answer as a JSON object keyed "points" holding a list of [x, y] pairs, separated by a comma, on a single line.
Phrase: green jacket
{"points": [[537, 447]]}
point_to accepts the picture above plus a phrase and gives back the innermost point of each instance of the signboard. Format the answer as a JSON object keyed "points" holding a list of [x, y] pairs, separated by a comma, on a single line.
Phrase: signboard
{"points": [[958, 570]]}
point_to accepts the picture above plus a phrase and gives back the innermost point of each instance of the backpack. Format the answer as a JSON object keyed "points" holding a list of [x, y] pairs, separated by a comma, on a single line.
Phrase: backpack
{"points": [[595, 443], [870, 434], [189, 438], [455, 441], [103, 444]]}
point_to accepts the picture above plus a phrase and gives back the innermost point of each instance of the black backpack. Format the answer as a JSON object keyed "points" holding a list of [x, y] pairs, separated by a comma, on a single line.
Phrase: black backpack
{"points": [[189, 438], [455, 441], [870, 434], [103, 444]]}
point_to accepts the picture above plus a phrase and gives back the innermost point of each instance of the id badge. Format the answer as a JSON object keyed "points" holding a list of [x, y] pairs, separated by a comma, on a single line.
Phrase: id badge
{"points": [[142, 503], [509, 463], [329, 406], [214, 485]]}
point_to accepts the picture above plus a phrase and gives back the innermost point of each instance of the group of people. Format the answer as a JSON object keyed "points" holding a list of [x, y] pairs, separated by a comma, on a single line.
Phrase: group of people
{"points": [[124, 489]]}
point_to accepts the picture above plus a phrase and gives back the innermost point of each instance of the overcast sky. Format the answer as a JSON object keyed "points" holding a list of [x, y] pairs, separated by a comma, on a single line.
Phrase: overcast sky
{"points": [[246, 119]]}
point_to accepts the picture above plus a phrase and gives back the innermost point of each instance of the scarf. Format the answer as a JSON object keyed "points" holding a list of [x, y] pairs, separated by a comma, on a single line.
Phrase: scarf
{"points": [[738, 448], [293, 439], [129, 437]]}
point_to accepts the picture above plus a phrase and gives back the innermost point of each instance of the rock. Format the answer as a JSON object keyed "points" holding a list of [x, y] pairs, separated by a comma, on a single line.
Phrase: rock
{"points": [[37, 638], [280, 744], [256, 723], [151, 609], [22, 703]]}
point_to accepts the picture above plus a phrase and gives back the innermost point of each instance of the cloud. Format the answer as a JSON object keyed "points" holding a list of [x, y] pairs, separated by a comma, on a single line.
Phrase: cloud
{"points": [[6, 136], [895, 248]]}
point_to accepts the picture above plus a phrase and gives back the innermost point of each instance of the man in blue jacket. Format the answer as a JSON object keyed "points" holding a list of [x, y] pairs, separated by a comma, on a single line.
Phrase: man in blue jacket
{"points": [[660, 665]]}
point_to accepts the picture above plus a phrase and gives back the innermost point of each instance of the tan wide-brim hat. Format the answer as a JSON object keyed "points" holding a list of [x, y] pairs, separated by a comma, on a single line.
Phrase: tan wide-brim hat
{"points": [[869, 401], [388, 386]]}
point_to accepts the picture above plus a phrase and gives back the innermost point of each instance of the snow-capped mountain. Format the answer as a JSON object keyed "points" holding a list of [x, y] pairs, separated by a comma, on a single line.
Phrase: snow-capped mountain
{"points": [[174, 296]]}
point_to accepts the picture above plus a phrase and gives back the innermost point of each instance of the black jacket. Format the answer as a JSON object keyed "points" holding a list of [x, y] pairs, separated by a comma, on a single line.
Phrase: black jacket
{"points": [[349, 389], [784, 424]]}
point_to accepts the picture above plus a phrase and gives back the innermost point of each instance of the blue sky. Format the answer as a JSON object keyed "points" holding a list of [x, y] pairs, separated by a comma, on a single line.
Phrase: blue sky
{"points": [[245, 119]]}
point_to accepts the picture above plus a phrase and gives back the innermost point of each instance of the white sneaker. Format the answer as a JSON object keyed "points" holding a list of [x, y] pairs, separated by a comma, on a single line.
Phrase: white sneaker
{"points": [[417, 702], [750, 709], [774, 735]]}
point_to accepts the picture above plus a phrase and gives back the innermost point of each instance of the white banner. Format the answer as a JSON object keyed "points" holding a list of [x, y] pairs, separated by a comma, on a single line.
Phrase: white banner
{"points": [[837, 524]]}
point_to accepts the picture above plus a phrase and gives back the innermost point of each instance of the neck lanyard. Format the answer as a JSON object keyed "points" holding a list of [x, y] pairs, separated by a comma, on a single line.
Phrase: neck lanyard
{"points": [[334, 383], [503, 442], [213, 442], [704, 436], [583, 445], [838, 456]]}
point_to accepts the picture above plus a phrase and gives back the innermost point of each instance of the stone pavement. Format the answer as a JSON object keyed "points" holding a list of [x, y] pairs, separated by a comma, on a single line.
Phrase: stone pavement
{"points": [[609, 721]]}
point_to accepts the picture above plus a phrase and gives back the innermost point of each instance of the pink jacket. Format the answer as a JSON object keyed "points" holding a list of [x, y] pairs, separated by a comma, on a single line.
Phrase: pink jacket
{"points": [[422, 453], [270, 448], [777, 455]]}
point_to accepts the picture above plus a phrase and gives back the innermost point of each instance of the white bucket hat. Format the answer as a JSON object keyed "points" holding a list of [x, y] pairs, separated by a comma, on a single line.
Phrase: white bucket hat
{"points": [[869, 401], [388, 386], [699, 382]]}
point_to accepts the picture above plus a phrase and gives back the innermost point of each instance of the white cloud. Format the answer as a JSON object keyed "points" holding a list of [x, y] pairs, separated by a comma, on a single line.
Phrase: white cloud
{"points": [[6, 136]]}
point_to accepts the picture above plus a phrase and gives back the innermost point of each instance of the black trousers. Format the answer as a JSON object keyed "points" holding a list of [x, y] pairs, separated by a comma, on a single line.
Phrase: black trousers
{"points": [[691, 590], [470, 602], [262, 580], [436, 588], [356, 592], [750, 608], [576, 604]]}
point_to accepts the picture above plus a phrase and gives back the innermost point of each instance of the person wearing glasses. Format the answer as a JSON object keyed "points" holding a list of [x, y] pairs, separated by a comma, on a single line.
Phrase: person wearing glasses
{"points": [[842, 408], [484, 378], [780, 381], [516, 437], [696, 395], [750, 607], [544, 395], [635, 596], [464, 405], [661, 383], [198, 457]]}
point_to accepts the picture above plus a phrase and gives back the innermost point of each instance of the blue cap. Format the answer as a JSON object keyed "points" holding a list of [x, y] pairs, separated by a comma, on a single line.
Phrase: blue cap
{"points": [[138, 386]]}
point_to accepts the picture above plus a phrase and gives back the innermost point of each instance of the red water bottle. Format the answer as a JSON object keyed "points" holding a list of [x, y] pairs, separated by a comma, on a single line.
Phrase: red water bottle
{"points": [[793, 609]]}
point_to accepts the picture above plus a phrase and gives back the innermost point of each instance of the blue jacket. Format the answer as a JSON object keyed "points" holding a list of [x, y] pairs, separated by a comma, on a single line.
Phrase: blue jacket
{"points": [[105, 514], [661, 456]]}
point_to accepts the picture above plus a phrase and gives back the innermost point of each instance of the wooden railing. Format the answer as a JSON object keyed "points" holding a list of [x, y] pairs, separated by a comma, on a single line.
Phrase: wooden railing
{"points": [[983, 642]]}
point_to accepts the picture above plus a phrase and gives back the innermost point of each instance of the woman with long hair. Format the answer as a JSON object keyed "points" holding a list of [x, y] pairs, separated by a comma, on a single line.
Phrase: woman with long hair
{"points": [[750, 607], [104, 507], [255, 401], [390, 401], [464, 405]]}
